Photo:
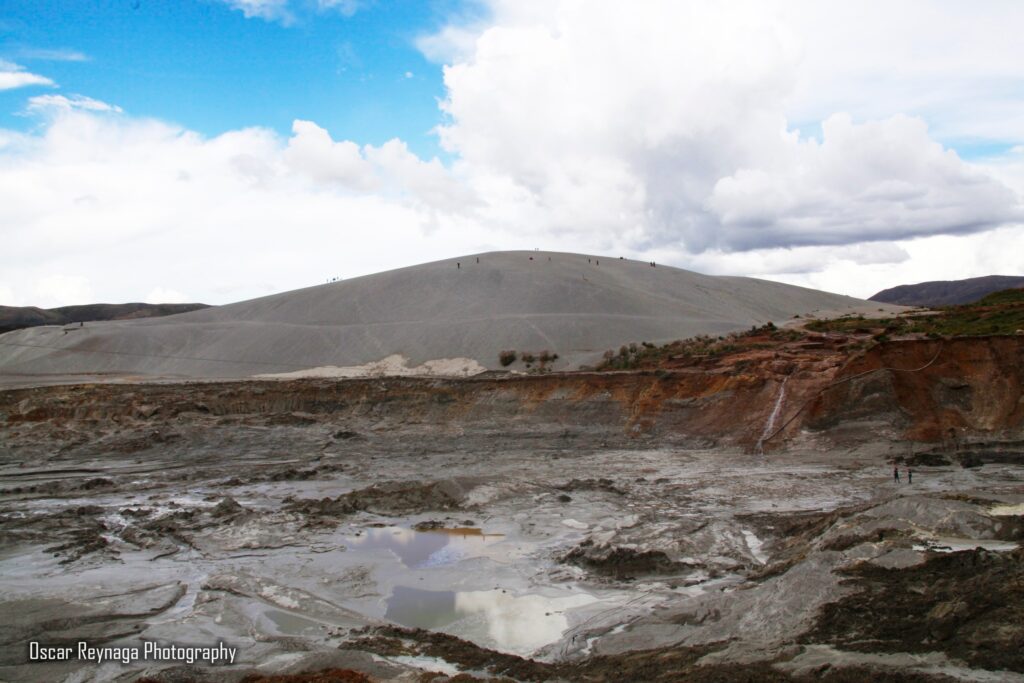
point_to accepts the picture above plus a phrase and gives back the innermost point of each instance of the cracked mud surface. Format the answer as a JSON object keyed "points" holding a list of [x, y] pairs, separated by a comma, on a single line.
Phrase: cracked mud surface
{"points": [[370, 546]]}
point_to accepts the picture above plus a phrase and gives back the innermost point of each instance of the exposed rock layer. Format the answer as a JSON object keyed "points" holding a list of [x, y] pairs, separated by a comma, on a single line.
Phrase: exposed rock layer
{"points": [[938, 391]]}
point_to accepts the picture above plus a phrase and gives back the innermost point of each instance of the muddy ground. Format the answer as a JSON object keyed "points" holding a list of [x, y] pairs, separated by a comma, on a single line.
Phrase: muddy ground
{"points": [[367, 547]]}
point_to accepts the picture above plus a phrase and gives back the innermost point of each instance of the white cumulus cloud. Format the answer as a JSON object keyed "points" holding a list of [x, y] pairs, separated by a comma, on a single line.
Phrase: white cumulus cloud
{"points": [[60, 102], [129, 206], [312, 151], [14, 76], [664, 124], [874, 181]]}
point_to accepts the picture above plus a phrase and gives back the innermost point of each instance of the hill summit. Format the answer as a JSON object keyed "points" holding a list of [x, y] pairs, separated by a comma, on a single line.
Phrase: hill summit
{"points": [[471, 307]]}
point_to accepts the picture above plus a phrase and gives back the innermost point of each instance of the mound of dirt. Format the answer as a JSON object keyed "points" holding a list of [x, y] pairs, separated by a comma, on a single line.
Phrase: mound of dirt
{"points": [[601, 484], [73, 532], [969, 605], [789, 536], [227, 507], [392, 497], [620, 562], [933, 458]]}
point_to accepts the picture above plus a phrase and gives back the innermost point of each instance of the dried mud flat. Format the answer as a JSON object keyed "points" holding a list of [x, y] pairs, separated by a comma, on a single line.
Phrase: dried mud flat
{"points": [[382, 543]]}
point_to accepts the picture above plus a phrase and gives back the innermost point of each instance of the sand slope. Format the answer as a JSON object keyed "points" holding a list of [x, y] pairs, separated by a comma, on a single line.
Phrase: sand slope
{"points": [[571, 304]]}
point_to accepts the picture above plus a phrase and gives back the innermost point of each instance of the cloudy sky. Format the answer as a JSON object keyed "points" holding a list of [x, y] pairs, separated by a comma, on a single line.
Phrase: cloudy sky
{"points": [[217, 150]]}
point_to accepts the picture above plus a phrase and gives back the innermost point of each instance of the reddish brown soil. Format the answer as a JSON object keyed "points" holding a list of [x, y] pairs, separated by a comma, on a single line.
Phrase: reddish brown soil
{"points": [[922, 390], [963, 386]]}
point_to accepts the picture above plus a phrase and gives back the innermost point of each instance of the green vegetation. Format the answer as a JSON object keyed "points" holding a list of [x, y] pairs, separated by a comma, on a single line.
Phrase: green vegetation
{"points": [[998, 313], [1003, 298], [542, 359], [647, 355]]}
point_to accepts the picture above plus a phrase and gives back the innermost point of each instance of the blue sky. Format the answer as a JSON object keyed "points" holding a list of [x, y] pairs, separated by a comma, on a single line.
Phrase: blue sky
{"points": [[843, 146], [209, 68]]}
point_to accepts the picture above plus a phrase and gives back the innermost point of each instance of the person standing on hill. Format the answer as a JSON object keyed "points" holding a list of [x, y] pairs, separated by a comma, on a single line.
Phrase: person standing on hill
{"points": [[896, 473], [910, 476]]}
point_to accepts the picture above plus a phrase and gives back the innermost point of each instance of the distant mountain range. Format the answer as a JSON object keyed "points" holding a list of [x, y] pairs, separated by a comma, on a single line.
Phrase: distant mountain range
{"points": [[948, 292], [15, 317]]}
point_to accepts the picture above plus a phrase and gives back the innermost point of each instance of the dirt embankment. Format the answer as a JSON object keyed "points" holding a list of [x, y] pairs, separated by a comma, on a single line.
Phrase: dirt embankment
{"points": [[929, 390], [921, 390]]}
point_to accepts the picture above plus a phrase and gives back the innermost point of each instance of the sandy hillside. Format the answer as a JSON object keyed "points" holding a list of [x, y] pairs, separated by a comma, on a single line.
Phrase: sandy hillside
{"points": [[467, 308]]}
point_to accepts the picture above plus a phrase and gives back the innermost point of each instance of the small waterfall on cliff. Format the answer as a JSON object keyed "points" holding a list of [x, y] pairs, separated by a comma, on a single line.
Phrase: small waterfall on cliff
{"points": [[776, 409]]}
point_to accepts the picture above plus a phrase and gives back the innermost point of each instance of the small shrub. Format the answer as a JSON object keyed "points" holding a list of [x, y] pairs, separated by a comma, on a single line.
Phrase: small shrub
{"points": [[507, 358]]}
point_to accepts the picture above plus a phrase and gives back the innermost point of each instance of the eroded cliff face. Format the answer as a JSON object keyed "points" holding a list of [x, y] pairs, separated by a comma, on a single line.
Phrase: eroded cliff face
{"points": [[928, 390], [921, 390]]}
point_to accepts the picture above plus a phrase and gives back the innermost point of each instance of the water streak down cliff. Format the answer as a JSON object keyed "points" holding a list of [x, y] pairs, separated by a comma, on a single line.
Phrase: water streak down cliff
{"points": [[923, 390]]}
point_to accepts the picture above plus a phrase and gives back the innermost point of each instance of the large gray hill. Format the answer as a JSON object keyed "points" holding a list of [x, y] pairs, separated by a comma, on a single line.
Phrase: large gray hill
{"points": [[574, 305]]}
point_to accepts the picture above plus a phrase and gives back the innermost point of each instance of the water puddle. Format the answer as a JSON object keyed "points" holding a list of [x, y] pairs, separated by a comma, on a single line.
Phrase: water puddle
{"points": [[292, 624], [421, 549], [1007, 510], [942, 544], [497, 619], [511, 620]]}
